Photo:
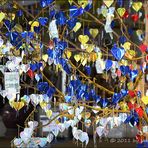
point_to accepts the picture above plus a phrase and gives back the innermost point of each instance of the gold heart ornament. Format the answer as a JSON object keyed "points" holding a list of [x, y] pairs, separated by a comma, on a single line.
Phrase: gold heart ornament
{"points": [[93, 56], [90, 48], [17, 105], [108, 3], [94, 32], [126, 45], [77, 57], [137, 6], [121, 11], [77, 27], [83, 39]]}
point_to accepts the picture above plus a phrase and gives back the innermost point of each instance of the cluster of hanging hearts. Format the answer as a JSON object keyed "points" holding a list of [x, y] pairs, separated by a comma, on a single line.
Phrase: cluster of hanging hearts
{"points": [[21, 43]]}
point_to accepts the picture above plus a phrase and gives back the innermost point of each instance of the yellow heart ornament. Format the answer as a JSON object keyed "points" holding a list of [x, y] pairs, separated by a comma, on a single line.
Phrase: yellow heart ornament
{"points": [[108, 3], [94, 32], [49, 113], [2, 16], [145, 100], [126, 45], [121, 11], [77, 57], [137, 6], [17, 105], [90, 48], [77, 27], [83, 39]]}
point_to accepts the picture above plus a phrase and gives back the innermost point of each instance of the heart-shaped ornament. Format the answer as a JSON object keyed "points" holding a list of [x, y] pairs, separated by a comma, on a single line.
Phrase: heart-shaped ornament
{"points": [[126, 46], [17, 105], [83, 39], [108, 3], [137, 6], [117, 52], [121, 11], [94, 32], [135, 17], [83, 137], [34, 99], [100, 130], [77, 57], [90, 48], [77, 27]]}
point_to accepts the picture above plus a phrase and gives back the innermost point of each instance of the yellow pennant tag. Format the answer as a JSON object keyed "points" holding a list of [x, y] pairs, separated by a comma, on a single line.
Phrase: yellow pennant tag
{"points": [[77, 27], [2, 16], [145, 100]]}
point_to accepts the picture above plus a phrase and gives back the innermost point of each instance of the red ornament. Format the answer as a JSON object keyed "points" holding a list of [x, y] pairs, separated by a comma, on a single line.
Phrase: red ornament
{"points": [[30, 74], [139, 138], [143, 47], [131, 106], [132, 93], [139, 111], [135, 17], [126, 15]]}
